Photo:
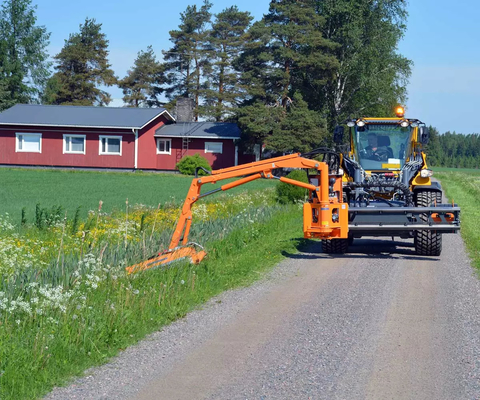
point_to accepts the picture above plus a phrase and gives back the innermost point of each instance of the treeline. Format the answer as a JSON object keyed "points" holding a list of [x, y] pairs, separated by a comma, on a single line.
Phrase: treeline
{"points": [[453, 150], [287, 79]]}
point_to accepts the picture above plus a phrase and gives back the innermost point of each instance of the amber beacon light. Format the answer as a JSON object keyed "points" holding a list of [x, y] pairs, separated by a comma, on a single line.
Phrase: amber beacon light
{"points": [[400, 111]]}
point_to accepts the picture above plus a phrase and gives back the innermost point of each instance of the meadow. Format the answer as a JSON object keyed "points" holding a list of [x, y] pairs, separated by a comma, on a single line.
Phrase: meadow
{"points": [[463, 187], [66, 302], [70, 189]]}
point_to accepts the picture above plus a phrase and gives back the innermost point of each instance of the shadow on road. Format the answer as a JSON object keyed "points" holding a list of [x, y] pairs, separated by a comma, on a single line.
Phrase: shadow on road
{"points": [[361, 248]]}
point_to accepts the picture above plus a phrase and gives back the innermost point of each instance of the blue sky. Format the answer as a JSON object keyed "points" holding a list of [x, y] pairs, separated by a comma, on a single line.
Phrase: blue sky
{"points": [[442, 40]]}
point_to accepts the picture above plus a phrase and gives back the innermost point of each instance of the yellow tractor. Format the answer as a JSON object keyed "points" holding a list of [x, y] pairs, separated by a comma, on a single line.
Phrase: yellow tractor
{"points": [[388, 186]]}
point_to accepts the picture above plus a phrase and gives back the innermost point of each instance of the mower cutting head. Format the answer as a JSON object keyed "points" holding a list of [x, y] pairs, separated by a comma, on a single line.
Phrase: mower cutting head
{"points": [[169, 256]]}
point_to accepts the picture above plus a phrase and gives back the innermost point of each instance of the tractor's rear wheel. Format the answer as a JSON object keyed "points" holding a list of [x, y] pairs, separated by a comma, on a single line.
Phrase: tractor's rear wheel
{"points": [[428, 243], [335, 246]]}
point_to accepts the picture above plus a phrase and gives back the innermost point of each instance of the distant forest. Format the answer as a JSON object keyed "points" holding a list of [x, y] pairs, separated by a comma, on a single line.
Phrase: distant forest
{"points": [[454, 150]]}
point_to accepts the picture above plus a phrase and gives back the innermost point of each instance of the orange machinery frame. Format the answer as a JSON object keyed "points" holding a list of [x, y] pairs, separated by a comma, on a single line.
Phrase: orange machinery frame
{"points": [[325, 215]]}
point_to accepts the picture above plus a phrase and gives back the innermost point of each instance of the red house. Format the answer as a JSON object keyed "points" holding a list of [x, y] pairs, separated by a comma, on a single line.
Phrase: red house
{"points": [[107, 137]]}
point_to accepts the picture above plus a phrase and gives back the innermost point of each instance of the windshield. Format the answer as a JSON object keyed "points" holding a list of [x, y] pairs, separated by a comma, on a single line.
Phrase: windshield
{"points": [[381, 146]]}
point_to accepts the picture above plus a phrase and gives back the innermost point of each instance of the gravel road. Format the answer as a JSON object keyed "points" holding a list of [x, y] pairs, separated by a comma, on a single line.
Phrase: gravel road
{"points": [[377, 323]]}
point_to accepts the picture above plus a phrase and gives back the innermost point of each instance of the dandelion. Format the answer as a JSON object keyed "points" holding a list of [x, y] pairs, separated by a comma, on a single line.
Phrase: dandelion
{"points": [[136, 291], [74, 316], [182, 282]]}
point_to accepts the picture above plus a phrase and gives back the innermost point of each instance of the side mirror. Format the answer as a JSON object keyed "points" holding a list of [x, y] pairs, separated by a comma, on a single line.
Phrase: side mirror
{"points": [[338, 134], [424, 135]]}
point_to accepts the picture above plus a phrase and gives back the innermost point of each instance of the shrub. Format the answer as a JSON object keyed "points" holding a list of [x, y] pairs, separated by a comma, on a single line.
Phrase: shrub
{"points": [[287, 193], [188, 164]]}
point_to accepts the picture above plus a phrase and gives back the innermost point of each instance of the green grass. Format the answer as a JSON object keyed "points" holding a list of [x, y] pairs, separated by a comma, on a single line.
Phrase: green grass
{"points": [[26, 187], [463, 187], [48, 349], [461, 170]]}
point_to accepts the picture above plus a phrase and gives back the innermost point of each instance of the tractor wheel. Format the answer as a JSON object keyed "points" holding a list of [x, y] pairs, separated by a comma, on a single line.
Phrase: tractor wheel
{"points": [[335, 246], [428, 243]]}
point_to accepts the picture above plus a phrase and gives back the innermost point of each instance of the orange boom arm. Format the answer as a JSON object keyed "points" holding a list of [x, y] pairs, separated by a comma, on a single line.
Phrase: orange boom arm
{"points": [[325, 214]]}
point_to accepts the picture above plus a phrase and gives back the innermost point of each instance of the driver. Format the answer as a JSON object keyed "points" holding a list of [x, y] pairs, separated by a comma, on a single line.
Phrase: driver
{"points": [[373, 150]]}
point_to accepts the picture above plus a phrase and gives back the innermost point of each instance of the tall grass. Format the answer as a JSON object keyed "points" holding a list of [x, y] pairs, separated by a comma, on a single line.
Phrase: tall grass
{"points": [[464, 189], [80, 309]]}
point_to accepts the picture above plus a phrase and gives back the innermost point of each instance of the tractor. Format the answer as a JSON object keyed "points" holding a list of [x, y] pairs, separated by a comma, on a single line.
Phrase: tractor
{"points": [[378, 185], [388, 186]]}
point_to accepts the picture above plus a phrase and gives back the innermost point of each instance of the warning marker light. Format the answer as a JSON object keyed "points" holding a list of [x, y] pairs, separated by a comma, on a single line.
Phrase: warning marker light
{"points": [[400, 111]]}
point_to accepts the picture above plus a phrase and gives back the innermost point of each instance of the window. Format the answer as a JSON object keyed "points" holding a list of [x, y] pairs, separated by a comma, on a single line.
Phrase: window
{"points": [[214, 147], [111, 145], [164, 146], [29, 142], [74, 144]]}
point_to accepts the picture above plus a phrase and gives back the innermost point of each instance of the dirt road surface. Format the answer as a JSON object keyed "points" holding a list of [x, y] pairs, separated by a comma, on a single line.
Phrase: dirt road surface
{"points": [[377, 323]]}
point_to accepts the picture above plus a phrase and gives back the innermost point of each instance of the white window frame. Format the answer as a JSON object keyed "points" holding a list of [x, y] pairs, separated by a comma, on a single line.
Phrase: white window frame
{"points": [[106, 153], [215, 143], [169, 152], [68, 135], [17, 147]]}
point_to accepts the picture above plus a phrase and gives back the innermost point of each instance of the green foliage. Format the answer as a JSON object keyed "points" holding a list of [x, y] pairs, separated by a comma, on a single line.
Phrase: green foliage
{"points": [[187, 59], [43, 350], [293, 129], [142, 85], [24, 216], [188, 164], [45, 217], [286, 47], [287, 193], [299, 129], [76, 221], [453, 150], [23, 57], [464, 188], [86, 188], [224, 42], [371, 76], [82, 66]]}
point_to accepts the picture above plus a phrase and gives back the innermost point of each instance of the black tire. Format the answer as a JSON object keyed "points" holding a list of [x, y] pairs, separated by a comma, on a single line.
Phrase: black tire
{"points": [[335, 246], [428, 243], [350, 240]]}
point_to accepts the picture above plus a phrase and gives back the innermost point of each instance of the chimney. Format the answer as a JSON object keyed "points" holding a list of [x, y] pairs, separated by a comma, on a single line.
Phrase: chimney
{"points": [[184, 109]]}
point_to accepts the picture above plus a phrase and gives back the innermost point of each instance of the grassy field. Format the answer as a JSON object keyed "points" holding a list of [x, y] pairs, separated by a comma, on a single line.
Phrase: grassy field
{"points": [[53, 332], [66, 302], [27, 187], [475, 171], [463, 187]]}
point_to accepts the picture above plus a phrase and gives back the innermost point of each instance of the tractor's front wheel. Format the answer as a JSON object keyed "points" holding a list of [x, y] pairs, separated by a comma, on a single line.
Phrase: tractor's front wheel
{"points": [[428, 243], [335, 246]]}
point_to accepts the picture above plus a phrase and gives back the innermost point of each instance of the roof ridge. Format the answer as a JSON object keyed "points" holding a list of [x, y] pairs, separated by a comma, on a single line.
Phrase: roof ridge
{"points": [[95, 107]]}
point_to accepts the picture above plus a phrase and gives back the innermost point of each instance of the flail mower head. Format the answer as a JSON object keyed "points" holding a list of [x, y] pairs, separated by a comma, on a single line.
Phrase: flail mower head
{"points": [[170, 256]]}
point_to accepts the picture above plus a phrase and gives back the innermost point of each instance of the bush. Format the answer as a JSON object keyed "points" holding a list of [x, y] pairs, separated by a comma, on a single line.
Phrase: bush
{"points": [[287, 193], [188, 164]]}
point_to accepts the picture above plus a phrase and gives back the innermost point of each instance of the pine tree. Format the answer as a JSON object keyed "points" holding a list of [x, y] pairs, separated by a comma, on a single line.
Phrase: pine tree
{"points": [[286, 50], [142, 85], [24, 68], [187, 59], [5, 100], [299, 129], [225, 41], [82, 65]]}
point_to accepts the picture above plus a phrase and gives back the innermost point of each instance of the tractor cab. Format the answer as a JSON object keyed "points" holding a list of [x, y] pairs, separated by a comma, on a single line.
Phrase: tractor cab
{"points": [[381, 144]]}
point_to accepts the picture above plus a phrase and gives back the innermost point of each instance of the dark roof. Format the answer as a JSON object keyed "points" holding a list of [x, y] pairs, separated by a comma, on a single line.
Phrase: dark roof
{"points": [[80, 116], [203, 130]]}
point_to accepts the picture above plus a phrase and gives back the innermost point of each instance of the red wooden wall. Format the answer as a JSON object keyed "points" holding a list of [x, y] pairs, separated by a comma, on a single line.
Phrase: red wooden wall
{"points": [[52, 148]]}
